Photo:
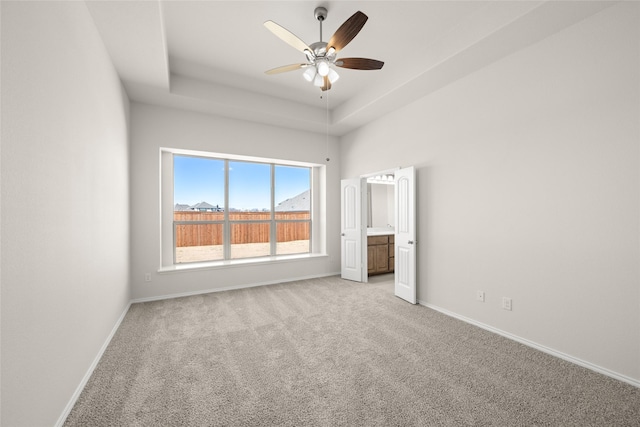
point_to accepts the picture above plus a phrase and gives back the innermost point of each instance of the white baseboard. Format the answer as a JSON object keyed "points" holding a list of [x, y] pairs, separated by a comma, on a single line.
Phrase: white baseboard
{"points": [[230, 288], [92, 367], [537, 346]]}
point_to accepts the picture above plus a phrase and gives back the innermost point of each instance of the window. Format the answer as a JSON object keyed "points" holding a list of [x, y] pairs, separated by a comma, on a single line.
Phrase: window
{"points": [[230, 209], [198, 209]]}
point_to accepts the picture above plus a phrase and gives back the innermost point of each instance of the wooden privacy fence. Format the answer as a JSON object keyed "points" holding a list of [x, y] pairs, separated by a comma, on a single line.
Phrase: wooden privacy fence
{"points": [[244, 232]]}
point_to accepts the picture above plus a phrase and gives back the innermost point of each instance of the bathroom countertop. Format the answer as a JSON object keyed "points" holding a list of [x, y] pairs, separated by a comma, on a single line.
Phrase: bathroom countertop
{"points": [[380, 231]]}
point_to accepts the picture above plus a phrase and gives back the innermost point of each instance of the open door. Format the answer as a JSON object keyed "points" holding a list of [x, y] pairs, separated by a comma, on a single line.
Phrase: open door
{"points": [[353, 251], [405, 236]]}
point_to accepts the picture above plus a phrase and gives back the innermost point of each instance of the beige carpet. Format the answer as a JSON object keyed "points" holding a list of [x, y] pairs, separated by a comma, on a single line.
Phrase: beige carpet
{"points": [[328, 352]]}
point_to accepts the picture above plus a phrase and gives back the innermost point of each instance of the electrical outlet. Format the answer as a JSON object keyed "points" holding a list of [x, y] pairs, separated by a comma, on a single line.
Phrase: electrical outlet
{"points": [[147, 277], [506, 303], [480, 296]]}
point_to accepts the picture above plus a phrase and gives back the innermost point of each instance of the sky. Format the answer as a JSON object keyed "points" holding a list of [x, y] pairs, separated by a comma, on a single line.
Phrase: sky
{"points": [[198, 179]]}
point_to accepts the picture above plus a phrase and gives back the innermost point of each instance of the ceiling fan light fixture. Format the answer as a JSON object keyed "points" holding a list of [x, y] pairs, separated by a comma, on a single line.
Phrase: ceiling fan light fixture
{"points": [[333, 76], [323, 68], [318, 81], [309, 74]]}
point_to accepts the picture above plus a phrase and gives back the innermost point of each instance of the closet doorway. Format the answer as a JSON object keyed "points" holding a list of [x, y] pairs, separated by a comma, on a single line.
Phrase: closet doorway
{"points": [[357, 213]]}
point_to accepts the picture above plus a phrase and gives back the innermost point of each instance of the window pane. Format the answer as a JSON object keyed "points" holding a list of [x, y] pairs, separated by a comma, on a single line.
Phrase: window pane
{"points": [[292, 192], [250, 240], [292, 238], [198, 242], [198, 184], [249, 187], [245, 219]]}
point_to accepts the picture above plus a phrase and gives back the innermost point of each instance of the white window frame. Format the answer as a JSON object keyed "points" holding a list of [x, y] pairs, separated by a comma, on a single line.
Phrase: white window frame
{"points": [[167, 236]]}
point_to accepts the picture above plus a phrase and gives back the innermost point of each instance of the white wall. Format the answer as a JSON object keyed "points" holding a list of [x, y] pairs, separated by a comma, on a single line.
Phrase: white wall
{"points": [[528, 187], [153, 127], [65, 206]]}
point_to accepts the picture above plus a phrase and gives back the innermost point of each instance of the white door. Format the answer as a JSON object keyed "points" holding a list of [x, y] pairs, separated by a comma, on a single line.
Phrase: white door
{"points": [[354, 260], [405, 237]]}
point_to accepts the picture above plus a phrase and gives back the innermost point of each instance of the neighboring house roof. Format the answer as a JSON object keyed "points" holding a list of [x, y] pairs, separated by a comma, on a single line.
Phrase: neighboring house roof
{"points": [[301, 202], [203, 205]]}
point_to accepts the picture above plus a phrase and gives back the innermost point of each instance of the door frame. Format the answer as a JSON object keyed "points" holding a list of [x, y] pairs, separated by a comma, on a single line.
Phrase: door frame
{"points": [[364, 213], [365, 262]]}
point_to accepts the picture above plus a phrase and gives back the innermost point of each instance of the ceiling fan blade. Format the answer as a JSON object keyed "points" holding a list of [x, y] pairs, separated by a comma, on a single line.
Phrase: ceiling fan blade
{"points": [[287, 36], [347, 31], [359, 63], [285, 68], [326, 85]]}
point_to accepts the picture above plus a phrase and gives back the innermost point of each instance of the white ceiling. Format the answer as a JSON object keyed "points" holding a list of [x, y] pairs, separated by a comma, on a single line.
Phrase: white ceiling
{"points": [[210, 56]]}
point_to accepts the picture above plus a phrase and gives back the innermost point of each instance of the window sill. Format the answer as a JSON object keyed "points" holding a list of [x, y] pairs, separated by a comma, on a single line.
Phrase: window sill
{"points": [[212, 265]]}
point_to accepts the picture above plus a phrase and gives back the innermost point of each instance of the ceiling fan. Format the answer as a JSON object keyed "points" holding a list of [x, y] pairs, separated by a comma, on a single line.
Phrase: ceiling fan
{"points": [[321, 56]]}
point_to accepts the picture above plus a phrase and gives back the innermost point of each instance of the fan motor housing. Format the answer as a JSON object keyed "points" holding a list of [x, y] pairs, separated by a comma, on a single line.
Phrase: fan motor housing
{"points": [[319, 48]]}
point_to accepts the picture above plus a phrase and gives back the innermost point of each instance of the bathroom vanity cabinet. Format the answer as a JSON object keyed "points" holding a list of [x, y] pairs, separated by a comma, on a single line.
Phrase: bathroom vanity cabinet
{"points": [[380, 254]]}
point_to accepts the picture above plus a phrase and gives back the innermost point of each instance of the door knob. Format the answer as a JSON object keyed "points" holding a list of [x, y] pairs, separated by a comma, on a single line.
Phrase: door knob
{"points": [[342, 234], [410, 242]]}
